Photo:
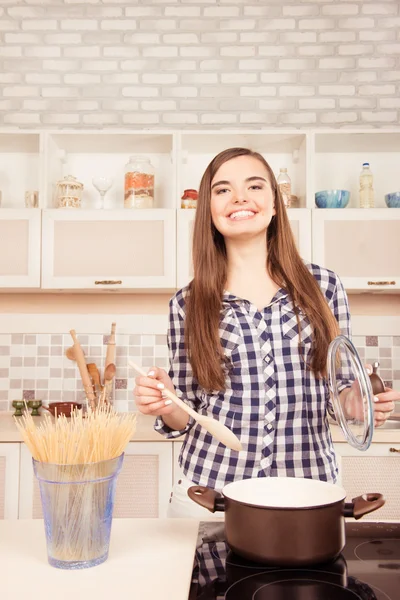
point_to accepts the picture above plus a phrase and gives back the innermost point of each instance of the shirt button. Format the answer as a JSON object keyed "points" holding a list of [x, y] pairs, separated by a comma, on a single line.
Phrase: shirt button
{"points": [[270, 427]]}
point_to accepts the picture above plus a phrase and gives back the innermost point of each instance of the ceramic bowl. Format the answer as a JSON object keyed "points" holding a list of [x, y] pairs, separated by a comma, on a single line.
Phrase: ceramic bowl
{"points": [[332, 198], [63, 408], [393, 200]]}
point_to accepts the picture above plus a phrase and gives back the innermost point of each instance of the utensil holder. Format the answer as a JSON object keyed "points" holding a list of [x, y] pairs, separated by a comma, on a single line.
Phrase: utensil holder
{"points": [[78, 502]]}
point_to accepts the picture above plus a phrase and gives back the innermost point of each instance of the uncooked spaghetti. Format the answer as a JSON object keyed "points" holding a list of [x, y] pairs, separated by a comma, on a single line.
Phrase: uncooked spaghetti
{"points": [[76, 461], [100, 434]]}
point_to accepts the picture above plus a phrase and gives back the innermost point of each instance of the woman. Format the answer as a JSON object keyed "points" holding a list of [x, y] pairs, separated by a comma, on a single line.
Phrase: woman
{"points": [[248, 340]]}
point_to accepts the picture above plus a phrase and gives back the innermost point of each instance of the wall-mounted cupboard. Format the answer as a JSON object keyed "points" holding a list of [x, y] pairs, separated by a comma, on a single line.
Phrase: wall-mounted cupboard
{"points": [[66, 248]]}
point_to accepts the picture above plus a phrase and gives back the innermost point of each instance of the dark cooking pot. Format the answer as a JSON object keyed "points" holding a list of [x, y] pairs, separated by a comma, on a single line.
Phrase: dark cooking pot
{"points": [[285, 521]]}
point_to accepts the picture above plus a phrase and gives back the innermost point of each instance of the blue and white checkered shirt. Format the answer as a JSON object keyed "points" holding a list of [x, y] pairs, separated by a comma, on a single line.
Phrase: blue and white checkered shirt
{"points": [[273, 403]]}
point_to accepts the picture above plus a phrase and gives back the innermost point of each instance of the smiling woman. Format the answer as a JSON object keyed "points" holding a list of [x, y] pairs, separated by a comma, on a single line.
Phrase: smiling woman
{"points": [[248, 340]]}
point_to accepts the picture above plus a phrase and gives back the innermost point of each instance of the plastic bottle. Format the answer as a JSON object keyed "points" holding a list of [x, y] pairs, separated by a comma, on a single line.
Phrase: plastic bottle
{"points": [[366, 193], [285, 186]]}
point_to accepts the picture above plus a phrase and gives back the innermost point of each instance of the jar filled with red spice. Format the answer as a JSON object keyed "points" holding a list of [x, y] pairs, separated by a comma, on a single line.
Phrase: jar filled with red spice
{"points": [[139, 183], [189, 199]]}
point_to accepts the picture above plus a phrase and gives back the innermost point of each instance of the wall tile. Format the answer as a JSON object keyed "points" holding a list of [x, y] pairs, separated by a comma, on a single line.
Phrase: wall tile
{"points": [[41, 369]]}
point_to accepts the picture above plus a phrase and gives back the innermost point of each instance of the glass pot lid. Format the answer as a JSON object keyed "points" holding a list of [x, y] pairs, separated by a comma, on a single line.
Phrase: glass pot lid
{"points": [[351, 393]]}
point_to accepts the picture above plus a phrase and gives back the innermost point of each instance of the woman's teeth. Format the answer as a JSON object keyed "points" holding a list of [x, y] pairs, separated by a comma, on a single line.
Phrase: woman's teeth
{"points": [[241, 214]]}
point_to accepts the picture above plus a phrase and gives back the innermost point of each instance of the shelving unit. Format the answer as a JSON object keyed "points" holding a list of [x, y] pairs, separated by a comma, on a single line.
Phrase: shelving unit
{"points": [[88, 154], [315, 160]]}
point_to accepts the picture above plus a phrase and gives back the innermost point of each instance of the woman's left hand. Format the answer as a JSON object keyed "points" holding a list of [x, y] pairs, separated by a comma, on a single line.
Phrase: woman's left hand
{"points": [[384, 405]]}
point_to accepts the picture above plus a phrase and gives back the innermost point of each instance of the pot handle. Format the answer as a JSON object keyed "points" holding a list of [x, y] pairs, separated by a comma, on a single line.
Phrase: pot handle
{"points": [[362, 505], [207, 498]]}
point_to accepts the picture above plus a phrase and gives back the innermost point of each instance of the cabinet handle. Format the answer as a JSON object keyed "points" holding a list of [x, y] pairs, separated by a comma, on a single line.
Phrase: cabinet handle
{"points": [[381, 283], [394, 450], [108, 282]]}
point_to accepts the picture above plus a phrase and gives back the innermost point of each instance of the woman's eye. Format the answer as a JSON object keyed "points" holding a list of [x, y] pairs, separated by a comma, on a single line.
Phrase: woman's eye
{"points": [[222, 190], [256, 186]]}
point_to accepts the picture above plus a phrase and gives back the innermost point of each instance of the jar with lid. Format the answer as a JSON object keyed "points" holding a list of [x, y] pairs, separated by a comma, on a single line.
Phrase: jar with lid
{"points": [[189, 199], [285, 186], [69, 192], [139, 183]]}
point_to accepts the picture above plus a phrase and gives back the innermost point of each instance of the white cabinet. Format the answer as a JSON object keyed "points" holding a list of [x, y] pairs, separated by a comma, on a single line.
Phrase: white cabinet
{"points": [[375, 471], [90, 249], [20, 248], [280, 149], [9, 481], [362, 246], [89, 154], [337, 159], [300, 221], [101, 249], [21, 160], [143, 486], [184, 264]]}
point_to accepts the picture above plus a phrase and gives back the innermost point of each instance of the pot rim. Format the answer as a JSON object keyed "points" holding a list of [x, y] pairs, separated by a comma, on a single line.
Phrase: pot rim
{"points": [[284, 493]]}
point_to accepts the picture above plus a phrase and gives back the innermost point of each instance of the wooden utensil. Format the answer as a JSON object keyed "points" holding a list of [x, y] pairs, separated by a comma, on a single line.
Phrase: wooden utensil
{"points": [[110, 360], [109, 373], [80, 361], [110, 353], [70, 354], [216, 428], [95, 375]]}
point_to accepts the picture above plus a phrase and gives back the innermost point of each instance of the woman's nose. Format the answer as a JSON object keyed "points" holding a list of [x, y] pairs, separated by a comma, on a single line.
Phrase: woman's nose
{"points": [[240, 198]]}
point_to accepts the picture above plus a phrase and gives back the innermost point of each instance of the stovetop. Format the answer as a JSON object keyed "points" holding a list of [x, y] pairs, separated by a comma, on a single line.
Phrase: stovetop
{"points": [[367, 569]]}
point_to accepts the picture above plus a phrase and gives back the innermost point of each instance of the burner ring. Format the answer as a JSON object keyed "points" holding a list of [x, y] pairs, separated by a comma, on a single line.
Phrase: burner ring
{"points": [[372, 553]]}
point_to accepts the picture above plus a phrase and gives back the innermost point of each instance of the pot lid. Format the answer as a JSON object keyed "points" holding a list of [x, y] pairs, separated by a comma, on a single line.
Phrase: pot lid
{"points": [[351, 393], [284, 492]]}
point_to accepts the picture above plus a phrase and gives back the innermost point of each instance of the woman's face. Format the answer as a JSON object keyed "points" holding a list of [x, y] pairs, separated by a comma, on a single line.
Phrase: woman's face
{"points": [[242, 201]]}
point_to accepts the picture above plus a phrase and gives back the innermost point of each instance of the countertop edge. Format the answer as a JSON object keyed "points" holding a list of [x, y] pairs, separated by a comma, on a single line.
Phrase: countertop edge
{"points": [[145, 432]]}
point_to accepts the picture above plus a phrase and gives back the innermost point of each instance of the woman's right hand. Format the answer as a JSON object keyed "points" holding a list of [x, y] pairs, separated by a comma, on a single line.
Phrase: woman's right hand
{"points": [[148, 393]]}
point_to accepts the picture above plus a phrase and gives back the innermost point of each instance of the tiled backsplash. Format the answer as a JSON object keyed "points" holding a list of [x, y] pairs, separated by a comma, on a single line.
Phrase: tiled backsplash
{"points": [[35, 365]]}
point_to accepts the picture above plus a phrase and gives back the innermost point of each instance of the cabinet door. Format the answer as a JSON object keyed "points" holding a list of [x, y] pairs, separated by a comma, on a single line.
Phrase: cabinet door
{"points": [[104, 249], [184, 264], [20, 248], [143, 486], [9, 480], [376, 470], [350, 242], [300, 221]]}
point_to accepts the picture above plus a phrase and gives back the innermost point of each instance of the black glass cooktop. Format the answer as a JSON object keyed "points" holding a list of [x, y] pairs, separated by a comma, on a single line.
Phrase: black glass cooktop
{"points": [[367, 569]]}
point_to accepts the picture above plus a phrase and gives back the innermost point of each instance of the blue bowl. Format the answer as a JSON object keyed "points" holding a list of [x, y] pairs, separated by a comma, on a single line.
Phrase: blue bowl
{"points": [[393, 200], [332, 198]]}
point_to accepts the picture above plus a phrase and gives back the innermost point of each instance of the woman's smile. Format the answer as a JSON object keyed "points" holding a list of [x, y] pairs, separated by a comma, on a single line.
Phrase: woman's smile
{"points": [[241, 215]]}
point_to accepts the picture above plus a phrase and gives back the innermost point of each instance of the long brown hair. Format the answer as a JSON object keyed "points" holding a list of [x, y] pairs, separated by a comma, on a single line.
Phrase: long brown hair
{"points": [[284, 264]]}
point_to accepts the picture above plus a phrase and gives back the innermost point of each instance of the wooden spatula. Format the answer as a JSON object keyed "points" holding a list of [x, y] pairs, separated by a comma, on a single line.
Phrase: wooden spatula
{"points": [[216, 428]]}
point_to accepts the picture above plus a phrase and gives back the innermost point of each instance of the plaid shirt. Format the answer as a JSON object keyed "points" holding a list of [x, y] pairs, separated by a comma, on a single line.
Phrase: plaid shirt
{"points": [[272, 402]]}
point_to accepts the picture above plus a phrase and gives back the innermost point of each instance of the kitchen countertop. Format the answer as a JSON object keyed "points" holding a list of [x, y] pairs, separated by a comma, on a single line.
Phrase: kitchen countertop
{"points": [[145, 431], [149, 559]]}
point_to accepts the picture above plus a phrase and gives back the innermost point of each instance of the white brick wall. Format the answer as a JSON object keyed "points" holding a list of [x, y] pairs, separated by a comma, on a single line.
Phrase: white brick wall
{"points": [[194, 63]]}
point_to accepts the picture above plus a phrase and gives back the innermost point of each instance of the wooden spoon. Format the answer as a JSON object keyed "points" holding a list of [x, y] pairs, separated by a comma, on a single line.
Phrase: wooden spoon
{"points": [[80, 361], [216, 428], [95, 375], [109, 373]]}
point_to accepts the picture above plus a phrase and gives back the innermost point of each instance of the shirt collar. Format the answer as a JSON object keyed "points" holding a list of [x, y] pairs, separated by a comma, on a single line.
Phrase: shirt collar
{"points": [[229, 299]]}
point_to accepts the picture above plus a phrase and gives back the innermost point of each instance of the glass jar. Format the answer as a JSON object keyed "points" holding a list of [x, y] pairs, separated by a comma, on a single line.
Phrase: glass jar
{"points": [[189, 199], [139, 183], [69, 192]]}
